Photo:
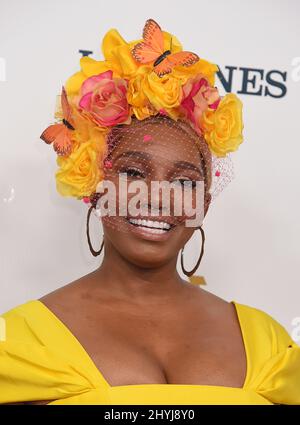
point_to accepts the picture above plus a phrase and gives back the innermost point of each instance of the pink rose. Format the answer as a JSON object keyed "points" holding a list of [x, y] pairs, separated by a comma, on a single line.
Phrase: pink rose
{"points": [[104, 98], [198, 95]]}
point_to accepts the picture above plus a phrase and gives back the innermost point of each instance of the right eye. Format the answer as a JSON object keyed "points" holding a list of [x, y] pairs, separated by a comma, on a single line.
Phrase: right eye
{"points": [[132, 172]]}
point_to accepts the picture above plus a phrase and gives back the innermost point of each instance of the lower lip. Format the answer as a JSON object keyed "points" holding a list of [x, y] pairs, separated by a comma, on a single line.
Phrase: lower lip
{"points": [[146, 233]]}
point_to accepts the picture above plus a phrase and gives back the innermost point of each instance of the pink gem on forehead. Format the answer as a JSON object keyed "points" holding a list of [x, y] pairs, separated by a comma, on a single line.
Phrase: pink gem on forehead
{"points": [[147, 137]]}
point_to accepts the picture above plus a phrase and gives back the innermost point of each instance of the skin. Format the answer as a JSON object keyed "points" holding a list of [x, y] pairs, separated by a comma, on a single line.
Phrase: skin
{"points": [[136, 318]]}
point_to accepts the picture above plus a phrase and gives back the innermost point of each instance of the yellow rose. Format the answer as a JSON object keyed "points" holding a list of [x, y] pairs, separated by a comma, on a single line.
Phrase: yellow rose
{"points": [[117, 52], [117, 58], [163, 92], [203, 67], [140, 105], [223, 127], [79, 173]]}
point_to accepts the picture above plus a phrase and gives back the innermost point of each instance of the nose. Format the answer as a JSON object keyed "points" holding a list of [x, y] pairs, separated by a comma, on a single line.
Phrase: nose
{"points": [[157, 202]]}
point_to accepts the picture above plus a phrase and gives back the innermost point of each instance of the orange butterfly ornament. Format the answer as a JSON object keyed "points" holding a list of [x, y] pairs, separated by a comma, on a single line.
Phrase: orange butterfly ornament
{"points": [[152, 50], [60, 134]]}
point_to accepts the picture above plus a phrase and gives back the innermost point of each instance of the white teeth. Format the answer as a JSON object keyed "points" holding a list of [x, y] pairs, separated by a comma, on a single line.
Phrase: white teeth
{"points": [[155, 231], [154, 225]]}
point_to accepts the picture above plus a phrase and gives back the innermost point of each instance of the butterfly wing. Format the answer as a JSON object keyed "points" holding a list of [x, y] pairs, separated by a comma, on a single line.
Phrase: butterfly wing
{"points": [[164, 67], [59, 135], [153, 36], [179, 58], [65, 105], [49, 135], [63, 143], [144, 53], [183, 58], [152, 46]]}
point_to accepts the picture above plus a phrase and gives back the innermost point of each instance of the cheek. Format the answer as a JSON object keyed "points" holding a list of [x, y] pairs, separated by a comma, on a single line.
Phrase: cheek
{"points": [[188, 205]]}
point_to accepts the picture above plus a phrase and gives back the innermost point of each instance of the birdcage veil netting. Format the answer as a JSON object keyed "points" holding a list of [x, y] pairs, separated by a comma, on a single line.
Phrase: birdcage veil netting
{"points": [[151, 153]]}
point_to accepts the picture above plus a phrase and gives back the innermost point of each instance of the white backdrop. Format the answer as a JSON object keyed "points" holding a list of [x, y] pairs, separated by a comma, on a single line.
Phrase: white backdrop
{"points": [[252, 229]]}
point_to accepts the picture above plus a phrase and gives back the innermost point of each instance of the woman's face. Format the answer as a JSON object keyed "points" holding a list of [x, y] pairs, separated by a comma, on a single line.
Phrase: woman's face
{"points": [[153, 153]]}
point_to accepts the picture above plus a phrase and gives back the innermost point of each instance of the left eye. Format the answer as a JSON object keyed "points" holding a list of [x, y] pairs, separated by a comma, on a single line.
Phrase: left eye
{"points": [[186, 182]]}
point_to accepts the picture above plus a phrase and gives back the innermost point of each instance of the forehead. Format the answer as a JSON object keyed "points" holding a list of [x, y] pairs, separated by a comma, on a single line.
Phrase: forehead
{"points": [[159, 141]]}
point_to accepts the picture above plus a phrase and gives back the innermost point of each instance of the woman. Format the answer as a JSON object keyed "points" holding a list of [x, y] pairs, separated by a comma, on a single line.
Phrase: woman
{"points": [[133, 331]]}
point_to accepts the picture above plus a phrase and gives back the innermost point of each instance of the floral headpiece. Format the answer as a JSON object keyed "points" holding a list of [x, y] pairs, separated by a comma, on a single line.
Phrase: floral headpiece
{"points": [[141, 78]]}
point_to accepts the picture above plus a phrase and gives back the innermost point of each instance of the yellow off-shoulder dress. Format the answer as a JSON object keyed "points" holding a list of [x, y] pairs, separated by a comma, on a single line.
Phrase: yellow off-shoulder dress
{"points": [[40, 359]]}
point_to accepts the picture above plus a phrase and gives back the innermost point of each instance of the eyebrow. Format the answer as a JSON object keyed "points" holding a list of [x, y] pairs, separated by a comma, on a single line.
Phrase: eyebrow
{"points": [[137, 154], [184, 165], [145, 156]]}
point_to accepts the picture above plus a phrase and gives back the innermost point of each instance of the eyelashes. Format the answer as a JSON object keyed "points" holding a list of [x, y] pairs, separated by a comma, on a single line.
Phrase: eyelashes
{"points": [[132, 172], [187, 182], [136, 173]]}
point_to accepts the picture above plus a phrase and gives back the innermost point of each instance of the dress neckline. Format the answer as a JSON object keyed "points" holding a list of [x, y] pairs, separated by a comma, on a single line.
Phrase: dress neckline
{"points": [[96, 370]]}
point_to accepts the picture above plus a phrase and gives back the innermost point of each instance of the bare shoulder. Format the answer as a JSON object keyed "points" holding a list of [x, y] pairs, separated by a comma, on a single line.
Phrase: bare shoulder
{"points": [[66, 299], [217, 312], [210, 302]]}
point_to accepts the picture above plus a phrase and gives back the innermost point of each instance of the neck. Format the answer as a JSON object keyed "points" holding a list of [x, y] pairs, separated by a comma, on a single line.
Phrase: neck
{"points": [[123, 279]]}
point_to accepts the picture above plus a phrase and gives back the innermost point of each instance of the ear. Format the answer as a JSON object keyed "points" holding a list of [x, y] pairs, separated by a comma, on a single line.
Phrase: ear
{"points": [[207, 202]]}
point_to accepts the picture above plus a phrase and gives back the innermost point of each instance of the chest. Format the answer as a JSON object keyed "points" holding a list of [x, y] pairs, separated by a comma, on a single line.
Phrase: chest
{"points": [[142, 348]]}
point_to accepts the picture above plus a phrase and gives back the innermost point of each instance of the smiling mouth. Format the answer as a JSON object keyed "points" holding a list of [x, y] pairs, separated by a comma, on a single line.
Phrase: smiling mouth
{"points": [[151, 226]]}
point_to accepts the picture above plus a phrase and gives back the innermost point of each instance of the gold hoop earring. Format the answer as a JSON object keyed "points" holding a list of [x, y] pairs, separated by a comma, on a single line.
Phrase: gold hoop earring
{"points": [[95, 253], [190, 273]]}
